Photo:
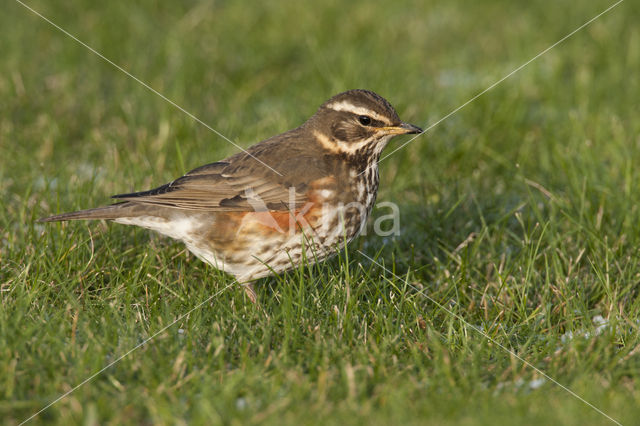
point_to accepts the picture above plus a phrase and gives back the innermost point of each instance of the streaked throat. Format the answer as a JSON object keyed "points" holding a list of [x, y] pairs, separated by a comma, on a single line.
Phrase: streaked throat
{"points": [[371, 145]]}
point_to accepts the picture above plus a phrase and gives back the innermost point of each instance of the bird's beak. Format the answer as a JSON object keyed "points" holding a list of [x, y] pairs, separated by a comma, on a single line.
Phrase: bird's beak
{"points": [[402, 129]]}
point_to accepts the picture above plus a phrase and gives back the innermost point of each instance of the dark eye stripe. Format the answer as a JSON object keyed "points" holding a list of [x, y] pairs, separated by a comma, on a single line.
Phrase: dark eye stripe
{"points": [[365, 120], [374, 122]]}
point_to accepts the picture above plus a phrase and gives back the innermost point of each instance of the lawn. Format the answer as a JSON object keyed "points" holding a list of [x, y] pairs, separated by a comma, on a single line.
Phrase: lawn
{"points": [[511, 295]]}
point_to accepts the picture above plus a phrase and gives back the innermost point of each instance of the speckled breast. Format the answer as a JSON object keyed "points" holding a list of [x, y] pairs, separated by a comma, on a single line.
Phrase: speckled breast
{"points": [[253, 244]]}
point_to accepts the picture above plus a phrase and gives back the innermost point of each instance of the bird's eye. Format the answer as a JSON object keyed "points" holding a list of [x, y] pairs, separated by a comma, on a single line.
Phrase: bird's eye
{"points": [[365, 120]]}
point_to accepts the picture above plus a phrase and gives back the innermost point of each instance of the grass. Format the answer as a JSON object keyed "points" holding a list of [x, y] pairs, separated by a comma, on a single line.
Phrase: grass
{"points": [[519, 214]]}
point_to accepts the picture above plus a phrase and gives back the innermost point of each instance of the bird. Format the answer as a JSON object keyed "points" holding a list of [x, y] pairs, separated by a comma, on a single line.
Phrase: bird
{"points": [[302, 194]]}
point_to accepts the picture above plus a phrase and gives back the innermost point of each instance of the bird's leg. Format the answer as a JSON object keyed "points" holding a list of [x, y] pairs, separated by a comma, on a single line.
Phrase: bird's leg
{"points": [[251, 293]]}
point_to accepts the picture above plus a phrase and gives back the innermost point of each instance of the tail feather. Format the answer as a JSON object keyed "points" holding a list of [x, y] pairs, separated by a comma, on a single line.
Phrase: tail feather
{"points": [[113, 211]]}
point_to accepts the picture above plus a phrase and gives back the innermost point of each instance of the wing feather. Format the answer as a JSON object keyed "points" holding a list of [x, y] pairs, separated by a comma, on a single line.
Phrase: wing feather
{"points": [[207, 188], [240, 183]]}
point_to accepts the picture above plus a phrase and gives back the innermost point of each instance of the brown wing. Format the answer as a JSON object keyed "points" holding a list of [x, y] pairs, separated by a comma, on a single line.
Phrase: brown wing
{"points": [[241, 183], [208, 188]]}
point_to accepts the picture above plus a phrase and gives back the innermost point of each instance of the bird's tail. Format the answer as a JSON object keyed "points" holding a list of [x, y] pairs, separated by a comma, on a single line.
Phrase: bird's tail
{"points": [[113, 211]]}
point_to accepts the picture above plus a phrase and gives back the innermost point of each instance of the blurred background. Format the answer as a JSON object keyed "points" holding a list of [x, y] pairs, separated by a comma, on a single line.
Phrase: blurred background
{"points": [[522, 206], [252, 70]]}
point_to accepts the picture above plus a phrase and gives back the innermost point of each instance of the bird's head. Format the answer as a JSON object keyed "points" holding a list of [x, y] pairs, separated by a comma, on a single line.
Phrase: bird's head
{"points": [[355, 120]]}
